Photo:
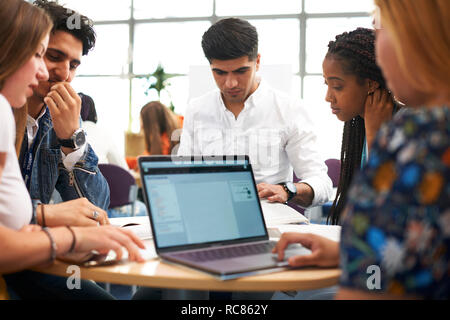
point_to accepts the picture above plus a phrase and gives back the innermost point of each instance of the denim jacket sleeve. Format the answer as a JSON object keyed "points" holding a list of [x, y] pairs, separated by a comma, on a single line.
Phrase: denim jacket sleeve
{"points": [[85, 180], [35, 203]]}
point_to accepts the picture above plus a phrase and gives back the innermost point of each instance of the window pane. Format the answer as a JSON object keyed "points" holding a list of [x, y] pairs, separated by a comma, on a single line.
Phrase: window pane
{"points": [[110, 54], [296, 87], [145, 9], [276, 49], [100, 10], [329, 128], [139, 99], [112, 109], [175, 45], [315, 89], [315, 6], [321, 31], [254, 7], [179, 93]]}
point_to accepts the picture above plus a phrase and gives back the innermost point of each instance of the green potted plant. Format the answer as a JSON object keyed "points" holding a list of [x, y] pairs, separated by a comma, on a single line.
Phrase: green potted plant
{"points": [[159, 81]]}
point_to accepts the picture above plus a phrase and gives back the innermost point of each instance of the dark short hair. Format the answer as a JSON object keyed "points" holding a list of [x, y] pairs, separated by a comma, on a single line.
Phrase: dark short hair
{"points": [[230, 38], [62, 17]]}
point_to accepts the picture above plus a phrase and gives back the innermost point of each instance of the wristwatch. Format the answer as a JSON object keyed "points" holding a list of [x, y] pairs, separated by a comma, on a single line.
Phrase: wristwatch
{"points": [[290, 188], [76, 141]]}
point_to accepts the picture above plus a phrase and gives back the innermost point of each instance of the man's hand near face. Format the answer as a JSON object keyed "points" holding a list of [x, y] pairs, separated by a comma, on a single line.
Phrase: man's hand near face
{"points": [[65, 106]]}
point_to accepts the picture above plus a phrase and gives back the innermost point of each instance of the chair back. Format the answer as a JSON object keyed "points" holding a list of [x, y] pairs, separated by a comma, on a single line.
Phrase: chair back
{"points": [[122, 185], [334, 170]]}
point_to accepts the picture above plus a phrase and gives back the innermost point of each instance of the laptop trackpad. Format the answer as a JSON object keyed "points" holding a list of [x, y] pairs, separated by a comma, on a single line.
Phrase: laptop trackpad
{"points": [[295, 250], [260, 261], [242, 264]]}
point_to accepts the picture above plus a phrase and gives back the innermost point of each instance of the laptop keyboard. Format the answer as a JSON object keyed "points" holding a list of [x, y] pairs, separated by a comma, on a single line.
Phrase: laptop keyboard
{"points": [[227, 253]]}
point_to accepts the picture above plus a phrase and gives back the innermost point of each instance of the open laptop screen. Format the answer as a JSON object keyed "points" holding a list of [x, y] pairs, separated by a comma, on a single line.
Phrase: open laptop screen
{"points": [[201, 202]]}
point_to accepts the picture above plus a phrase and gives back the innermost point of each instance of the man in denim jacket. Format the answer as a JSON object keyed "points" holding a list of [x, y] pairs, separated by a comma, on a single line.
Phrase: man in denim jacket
{"points": [[54, 153]]}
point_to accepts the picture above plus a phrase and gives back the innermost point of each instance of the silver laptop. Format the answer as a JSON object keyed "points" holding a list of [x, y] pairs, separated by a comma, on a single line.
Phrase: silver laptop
{"points": [[205, 213]]}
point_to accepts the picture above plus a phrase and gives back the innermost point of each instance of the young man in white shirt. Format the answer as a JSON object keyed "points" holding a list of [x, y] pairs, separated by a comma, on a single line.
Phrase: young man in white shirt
{"points": [[246, 116]]}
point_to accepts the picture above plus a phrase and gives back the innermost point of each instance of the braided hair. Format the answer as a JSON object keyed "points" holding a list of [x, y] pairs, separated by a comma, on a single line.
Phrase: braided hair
{"points": [[356, 51]]}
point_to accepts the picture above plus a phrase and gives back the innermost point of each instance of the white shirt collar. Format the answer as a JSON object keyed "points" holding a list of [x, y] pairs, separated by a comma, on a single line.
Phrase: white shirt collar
{"points": [[35, 122], [252, 100], [33, 126]]}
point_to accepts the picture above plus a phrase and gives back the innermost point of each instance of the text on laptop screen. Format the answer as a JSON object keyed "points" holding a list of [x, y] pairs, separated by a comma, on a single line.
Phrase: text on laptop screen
{"points": [[201, 204]]}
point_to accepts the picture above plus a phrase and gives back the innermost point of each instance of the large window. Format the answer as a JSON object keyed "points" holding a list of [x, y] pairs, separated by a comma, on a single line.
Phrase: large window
{"points": [[134, 36]]}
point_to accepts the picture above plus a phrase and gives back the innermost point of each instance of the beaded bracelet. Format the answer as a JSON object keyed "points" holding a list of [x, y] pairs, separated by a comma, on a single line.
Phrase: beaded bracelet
{"points": [[53, 246]]}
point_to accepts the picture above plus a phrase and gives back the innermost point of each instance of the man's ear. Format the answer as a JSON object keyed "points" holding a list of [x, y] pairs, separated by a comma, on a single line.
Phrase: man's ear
{"points": [[258, 60], [372, 86]]}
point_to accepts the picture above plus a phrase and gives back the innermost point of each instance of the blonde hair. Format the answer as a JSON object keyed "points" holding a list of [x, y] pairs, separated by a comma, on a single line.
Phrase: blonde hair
{"points": [[22, 27], [421, 32], [156, 120]]}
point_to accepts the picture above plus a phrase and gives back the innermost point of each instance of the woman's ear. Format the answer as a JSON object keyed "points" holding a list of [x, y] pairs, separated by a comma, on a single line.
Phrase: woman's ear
{"points": [[372, 86]]}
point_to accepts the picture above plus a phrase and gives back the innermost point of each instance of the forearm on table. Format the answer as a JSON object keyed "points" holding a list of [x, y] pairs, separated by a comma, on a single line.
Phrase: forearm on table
{"points": [[21, 250], [45, 215], [305, 195]]}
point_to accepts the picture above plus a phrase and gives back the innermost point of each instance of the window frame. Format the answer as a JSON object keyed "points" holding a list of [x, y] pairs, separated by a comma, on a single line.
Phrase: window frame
{"points": [[302, 16]]}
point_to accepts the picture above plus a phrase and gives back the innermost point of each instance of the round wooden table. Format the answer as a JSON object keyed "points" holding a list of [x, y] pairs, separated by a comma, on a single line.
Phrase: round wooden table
{"points": [[158, 274]]}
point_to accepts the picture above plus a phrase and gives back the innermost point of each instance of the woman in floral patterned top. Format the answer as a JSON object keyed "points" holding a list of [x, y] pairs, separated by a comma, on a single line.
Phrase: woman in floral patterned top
{"points": [[395, 240]]}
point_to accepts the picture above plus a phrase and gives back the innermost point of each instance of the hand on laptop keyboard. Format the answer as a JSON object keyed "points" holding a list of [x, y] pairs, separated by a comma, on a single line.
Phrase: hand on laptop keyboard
{"points": [[147, 254]]}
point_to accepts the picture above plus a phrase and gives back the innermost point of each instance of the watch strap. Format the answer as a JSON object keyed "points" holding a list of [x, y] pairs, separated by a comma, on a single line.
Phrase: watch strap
{"points": [[68, 143], [289, 192]]}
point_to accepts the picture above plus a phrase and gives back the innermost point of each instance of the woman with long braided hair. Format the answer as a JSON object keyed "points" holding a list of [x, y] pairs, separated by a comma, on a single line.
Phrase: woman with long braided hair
{"points": [[357, 94]]}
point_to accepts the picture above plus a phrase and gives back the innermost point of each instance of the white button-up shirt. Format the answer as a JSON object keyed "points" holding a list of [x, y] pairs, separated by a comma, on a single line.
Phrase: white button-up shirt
{"points": [[274, 130]]}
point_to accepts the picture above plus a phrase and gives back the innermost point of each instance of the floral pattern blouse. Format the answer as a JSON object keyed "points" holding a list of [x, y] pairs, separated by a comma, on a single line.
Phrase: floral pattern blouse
{"points": [[396, 234]]}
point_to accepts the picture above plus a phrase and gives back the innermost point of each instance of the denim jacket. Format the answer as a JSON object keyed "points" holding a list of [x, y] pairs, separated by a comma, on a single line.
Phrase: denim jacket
{"points": [[48, 171]]}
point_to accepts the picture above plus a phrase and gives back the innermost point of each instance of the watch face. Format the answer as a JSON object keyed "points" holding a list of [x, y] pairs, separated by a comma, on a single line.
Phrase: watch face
{"points": [[80, 139], [291, 187]]}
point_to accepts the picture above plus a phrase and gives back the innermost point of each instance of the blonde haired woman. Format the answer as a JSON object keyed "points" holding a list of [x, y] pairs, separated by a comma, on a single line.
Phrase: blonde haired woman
{"points": [[158, 123], [24, 34], [395, 240]]}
